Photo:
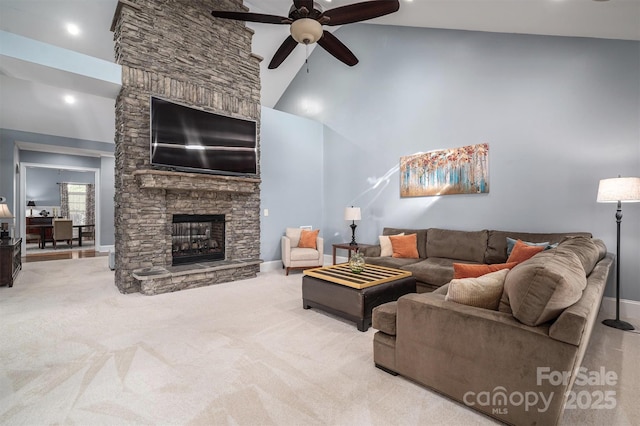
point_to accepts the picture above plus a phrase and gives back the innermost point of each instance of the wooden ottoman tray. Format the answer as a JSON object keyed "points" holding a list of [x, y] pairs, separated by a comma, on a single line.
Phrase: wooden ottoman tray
{"points": [[337, 290]]}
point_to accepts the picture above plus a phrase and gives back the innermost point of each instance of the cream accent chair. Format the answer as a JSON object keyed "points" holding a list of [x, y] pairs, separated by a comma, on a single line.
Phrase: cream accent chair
{"points": [[294, 257], [62, 230]]}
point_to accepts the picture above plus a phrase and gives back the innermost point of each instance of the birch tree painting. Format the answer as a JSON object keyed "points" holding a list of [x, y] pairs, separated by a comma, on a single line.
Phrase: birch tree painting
{"points": [[462, 170]]}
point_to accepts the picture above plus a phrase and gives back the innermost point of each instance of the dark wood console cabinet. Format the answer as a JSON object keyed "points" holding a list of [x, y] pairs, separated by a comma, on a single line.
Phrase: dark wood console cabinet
{"points": [[34, 220], [10, 260]]}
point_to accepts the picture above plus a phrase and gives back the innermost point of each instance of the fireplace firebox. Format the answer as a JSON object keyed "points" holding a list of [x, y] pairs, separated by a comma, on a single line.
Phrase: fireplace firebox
{"points": [[197, 238]]}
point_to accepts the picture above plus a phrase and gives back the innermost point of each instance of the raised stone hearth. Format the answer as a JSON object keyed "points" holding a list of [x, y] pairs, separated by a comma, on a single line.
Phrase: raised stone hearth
{"points": [[176, 51]]}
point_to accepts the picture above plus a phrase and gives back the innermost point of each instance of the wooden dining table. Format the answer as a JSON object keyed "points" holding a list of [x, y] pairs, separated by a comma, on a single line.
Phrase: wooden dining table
{"points": [[43, 231]]}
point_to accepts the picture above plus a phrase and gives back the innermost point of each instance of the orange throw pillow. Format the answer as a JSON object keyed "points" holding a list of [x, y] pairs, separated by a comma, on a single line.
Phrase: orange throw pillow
{"points": [[522, 252], [308, 239], [405, 246], [465, 270]]}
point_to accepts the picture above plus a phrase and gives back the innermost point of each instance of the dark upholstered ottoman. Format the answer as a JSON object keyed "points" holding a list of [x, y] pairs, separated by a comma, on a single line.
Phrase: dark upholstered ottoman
{"points": [[350, 303]]}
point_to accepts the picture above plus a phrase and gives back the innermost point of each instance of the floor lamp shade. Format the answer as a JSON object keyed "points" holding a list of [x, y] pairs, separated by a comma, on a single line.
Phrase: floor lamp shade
{"points": [[625, 189], [352, 214], [618, 190]]}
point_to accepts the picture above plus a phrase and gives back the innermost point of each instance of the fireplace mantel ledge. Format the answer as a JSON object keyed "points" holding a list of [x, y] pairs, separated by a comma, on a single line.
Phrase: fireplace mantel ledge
{"points": [[160, 179]]}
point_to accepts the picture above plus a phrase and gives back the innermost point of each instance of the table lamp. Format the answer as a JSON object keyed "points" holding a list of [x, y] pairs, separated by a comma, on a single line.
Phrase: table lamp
{"points": [[5, 213], [618, 190], [31, 204], [352, 214]]}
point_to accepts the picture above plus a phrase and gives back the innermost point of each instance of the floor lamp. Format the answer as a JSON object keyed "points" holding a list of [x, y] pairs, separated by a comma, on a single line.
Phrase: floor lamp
{"points": [[611, 191]]}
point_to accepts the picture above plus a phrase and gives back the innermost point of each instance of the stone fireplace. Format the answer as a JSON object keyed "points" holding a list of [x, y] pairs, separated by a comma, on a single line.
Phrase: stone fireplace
{"points": [[197, 238], [175, 50]]}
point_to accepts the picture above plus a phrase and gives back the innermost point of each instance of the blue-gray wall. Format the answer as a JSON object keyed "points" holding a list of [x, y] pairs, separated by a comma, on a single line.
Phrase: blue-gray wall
{"points": [[291, 172], [107, 194], [558, 113], [98, 155], [42, 183]]}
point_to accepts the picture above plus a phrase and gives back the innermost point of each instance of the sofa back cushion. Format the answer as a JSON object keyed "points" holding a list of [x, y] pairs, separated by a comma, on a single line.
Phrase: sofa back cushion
{"points": [[497, 242], [539, 289], [421, 237], [459, 245], [586, 249]]}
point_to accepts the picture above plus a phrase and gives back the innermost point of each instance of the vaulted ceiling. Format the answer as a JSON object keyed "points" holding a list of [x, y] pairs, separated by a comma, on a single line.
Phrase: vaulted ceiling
{"points": [[32, 93]]}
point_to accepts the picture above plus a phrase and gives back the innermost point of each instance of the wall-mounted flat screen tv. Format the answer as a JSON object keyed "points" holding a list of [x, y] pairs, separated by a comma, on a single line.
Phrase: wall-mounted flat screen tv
{"points": [[189, 139]]}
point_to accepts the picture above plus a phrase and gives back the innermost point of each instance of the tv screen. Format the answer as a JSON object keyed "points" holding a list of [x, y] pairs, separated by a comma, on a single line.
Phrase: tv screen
{"points": [[190, 139]]}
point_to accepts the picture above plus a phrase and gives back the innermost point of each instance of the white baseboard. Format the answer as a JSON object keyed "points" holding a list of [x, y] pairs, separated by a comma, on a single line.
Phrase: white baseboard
{"points": [[270, 266], [277, 264], [328, 260], [104, 249], [628, 308]]}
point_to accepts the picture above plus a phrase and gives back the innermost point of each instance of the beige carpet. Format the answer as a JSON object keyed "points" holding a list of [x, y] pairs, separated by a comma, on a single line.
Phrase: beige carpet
{"points": [[75, 351]]}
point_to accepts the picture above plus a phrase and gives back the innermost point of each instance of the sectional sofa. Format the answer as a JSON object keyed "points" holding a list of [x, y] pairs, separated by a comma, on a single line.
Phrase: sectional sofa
{"points": [[498, 362], [439, 249]]}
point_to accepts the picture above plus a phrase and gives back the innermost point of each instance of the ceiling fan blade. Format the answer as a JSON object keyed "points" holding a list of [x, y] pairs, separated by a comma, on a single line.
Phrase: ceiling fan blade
{"points": [[361, 11], [335, 47], [303, 3], [251, 17], [283, 51]]}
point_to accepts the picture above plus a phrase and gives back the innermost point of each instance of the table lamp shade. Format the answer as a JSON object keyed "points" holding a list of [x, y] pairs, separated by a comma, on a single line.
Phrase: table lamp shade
{"points": [[5, 213], [352, 213], [625, 189], [31, 203]]}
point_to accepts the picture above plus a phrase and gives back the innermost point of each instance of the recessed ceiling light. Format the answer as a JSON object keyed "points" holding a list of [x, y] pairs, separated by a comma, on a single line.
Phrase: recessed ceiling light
{"points": [[69, 99], [73, 29]]}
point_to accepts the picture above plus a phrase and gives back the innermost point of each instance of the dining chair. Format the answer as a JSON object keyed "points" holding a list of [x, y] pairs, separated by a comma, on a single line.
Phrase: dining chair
{"points": [[62, 231]]}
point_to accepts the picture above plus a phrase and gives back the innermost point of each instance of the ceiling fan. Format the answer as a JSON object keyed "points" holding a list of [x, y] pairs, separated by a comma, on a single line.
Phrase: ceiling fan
{"points": [[307, 17]]}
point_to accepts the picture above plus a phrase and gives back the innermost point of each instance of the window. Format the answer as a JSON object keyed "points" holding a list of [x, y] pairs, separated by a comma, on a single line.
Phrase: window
{"points": [[77, 203]]}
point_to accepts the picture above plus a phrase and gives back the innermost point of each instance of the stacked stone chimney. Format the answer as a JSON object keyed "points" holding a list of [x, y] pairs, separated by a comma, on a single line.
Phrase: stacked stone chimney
{"points": [[175, 49]]}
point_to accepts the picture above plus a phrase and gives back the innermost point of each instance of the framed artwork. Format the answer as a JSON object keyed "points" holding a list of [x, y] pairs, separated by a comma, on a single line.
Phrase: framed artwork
{"points": [[463, 170]]}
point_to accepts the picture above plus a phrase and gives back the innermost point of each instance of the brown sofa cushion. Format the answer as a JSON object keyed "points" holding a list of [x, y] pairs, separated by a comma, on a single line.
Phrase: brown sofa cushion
{"points": [[586, 250], [384, 318], [422, 237], [497, 242], [539, 289], [459, 245], [434, 271], [391, 262]]}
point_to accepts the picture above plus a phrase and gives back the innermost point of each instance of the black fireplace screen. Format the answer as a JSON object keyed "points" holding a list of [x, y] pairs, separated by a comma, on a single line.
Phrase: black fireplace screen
{"points": [[197, 238]]}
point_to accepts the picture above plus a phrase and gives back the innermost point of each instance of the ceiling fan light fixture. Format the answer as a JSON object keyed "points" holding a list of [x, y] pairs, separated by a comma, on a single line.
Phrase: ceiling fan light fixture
{"points": [[306, 30]]}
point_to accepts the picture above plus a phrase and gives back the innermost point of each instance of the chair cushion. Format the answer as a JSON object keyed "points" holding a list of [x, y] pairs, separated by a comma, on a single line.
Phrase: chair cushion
{"points": [[298, 253]]}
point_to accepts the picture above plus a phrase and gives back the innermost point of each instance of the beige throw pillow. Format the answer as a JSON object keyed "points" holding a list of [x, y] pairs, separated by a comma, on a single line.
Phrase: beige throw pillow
{"points": [[482, 292], [386, 250]]}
